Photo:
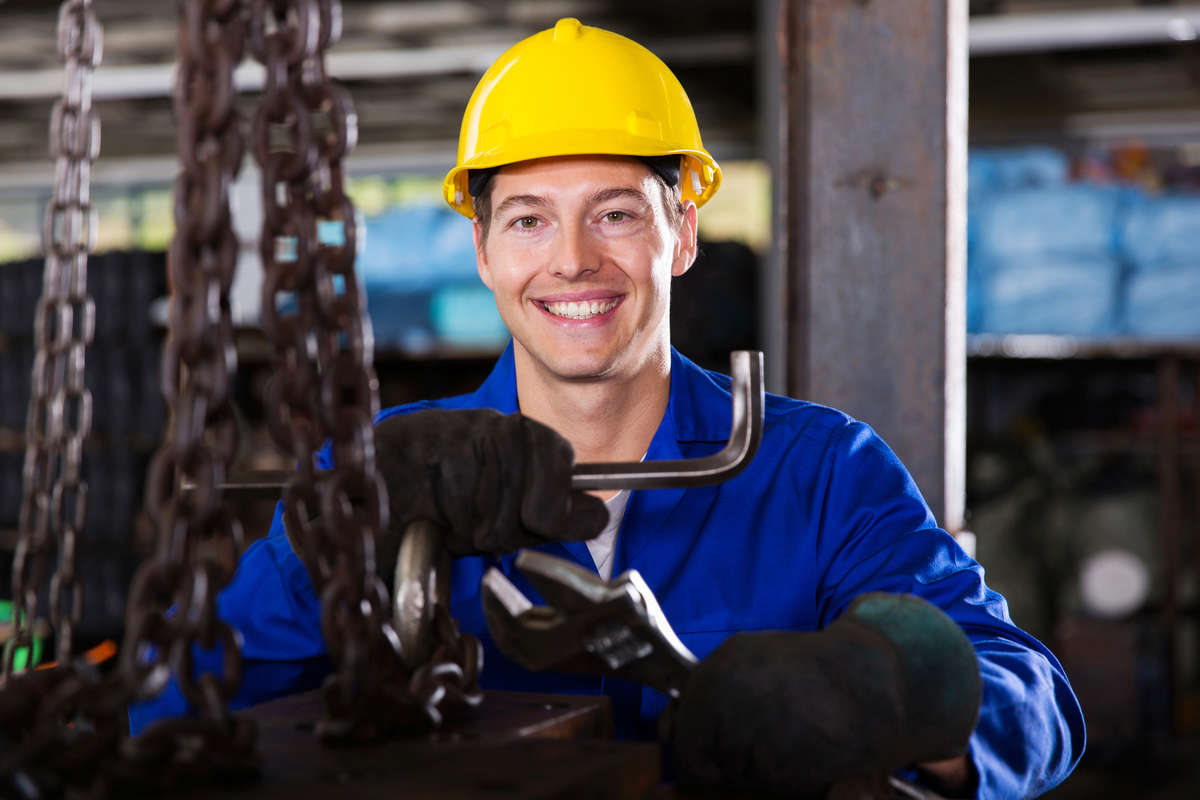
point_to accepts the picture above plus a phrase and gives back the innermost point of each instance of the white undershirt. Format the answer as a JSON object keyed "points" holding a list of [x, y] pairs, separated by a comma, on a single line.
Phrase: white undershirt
{"points": [[603, 546]]}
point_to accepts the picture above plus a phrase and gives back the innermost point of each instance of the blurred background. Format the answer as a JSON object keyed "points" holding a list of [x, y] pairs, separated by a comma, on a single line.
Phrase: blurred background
{"points": [[1082, 294]]}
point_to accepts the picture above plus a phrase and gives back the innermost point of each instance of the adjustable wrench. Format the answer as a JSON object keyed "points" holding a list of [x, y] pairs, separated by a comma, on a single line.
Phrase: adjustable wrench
{"points": [[591, 625]]}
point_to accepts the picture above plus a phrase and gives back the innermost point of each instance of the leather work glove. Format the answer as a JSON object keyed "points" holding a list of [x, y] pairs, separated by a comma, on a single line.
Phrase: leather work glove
{"points": [[492, 482], [892, 682]]}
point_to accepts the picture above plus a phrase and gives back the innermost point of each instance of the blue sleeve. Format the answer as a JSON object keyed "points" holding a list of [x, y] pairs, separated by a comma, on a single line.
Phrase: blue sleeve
{"points": [[878, 534], [272, 604]]}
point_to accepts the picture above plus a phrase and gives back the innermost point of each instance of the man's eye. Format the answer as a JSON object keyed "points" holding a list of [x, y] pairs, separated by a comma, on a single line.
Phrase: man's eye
{"points": [[527, 222], [615, 216]]}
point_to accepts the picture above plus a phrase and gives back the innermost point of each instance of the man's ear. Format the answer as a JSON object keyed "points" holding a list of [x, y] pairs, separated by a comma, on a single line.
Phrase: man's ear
{"points": [[685, 242], [481, 262]]}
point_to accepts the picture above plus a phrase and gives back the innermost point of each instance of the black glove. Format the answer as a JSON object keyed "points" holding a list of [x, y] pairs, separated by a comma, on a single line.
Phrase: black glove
{"points": [[892, 682], [492, 482]]}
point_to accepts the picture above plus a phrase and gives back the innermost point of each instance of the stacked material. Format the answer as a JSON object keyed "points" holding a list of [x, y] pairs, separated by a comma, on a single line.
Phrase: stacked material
{"points": [[1049, 256], [1160, 237], [1041, 258]]}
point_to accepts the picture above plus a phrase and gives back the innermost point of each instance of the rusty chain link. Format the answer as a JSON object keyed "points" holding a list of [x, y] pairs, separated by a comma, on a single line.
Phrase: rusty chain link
{"points": [[72, 734], [58, 724], [324, 385], [54, 499], [66, 727], [198, 537]]}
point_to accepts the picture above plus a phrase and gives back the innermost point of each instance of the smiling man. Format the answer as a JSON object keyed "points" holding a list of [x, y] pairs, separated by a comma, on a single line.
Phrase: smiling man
{"points": [[841, 632], [579, 252]]}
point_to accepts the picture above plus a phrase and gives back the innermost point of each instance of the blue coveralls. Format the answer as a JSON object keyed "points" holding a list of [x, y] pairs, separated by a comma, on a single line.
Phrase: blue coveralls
{"points": [[824, 513]]}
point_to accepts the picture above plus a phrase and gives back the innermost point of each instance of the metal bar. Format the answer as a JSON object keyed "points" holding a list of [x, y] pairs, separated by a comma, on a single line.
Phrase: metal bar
{"points": [[155, 80], [989, 35], [745, 434], [1070, 30], [1194, 450], [1054, 346], [874, 156], [747, 398], [772, 287], [1169, 503], [257, 485]]}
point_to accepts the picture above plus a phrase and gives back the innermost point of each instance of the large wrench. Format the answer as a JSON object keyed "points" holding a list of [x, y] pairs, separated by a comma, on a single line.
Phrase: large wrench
{"points": [[591, 625]]}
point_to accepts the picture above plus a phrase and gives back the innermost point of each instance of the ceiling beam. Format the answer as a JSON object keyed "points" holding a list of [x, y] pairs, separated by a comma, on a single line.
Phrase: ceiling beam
{"points": [[155, 80], [1076, 30]]}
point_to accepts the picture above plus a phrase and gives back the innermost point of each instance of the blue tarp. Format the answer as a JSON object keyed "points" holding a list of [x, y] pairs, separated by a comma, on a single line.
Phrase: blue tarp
{"points": [[1047, 256], [1063, 295], [1164, 302], [1162, 232], [1077, 220]]}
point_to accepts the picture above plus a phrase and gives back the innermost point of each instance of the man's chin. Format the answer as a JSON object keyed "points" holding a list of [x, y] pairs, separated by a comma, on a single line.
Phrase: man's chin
{"points": [[583, 374], [573, 365], [580, 370]]}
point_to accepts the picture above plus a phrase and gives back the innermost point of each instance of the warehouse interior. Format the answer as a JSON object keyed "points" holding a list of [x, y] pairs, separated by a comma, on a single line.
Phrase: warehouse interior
{"points": [[969, 224]]}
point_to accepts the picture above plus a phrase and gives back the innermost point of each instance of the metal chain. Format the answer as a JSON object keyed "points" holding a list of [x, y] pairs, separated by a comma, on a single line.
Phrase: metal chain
{"points": [[54, 499], [325, 387], [66, 719], [70, 722], [198, 538]]}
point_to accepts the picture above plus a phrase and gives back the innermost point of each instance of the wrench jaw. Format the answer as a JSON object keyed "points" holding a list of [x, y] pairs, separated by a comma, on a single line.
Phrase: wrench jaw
{"points": [[547, 637], [592, 626]]}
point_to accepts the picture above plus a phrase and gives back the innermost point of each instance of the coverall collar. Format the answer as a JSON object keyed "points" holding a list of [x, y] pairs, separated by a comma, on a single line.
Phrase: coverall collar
{"points": [[697, 408]]}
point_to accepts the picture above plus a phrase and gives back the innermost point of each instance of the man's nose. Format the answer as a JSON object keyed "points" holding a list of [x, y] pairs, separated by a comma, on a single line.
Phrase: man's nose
{"points": [[577, 254]]}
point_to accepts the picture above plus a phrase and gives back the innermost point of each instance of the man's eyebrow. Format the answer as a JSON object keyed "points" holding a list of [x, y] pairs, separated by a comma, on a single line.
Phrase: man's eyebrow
{"points": [[535, 200], [600, 196], [604, 195]]}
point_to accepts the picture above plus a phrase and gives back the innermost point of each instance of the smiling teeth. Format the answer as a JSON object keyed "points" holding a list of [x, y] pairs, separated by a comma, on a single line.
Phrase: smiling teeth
{"points": [[581, 310]]}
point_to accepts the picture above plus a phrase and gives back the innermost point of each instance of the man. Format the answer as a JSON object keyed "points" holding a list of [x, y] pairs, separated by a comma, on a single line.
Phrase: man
{"points": [[582, 169]]}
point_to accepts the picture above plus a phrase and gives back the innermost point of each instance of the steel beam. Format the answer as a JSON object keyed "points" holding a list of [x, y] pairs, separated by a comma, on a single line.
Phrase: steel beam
{"points": [[157, 80], [870, 222]]}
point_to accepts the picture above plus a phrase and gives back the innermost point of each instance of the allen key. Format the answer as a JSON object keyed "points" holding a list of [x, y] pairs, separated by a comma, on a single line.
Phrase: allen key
{"points": [[745, 434], [747, 394]]}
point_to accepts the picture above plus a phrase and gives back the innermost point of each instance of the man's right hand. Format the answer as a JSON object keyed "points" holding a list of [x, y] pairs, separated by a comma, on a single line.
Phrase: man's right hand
{"points": [[492, 482]]}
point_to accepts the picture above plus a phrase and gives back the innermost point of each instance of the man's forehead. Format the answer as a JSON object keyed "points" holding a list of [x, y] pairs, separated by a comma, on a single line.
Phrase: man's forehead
{"points": [[624, 169]]}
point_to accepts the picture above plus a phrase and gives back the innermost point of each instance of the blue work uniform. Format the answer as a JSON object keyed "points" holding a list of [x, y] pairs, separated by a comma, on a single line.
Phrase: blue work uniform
{"points": [[825, 512]]}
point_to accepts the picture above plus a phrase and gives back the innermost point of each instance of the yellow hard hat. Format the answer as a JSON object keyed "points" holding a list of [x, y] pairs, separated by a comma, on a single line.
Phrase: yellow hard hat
{"points": [[578, 90]]}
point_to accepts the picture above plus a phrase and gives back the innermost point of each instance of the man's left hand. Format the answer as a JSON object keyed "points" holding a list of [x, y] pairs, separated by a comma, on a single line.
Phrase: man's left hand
{"points": [[892, 682]]}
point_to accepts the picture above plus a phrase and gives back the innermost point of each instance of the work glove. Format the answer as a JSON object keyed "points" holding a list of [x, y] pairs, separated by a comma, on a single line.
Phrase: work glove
{"points": [[492, 482], [892, 682]]}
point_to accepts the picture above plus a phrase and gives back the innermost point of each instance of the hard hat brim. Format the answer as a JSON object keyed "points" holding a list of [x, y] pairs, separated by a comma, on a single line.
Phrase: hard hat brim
{"points": [[698, 180]]}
